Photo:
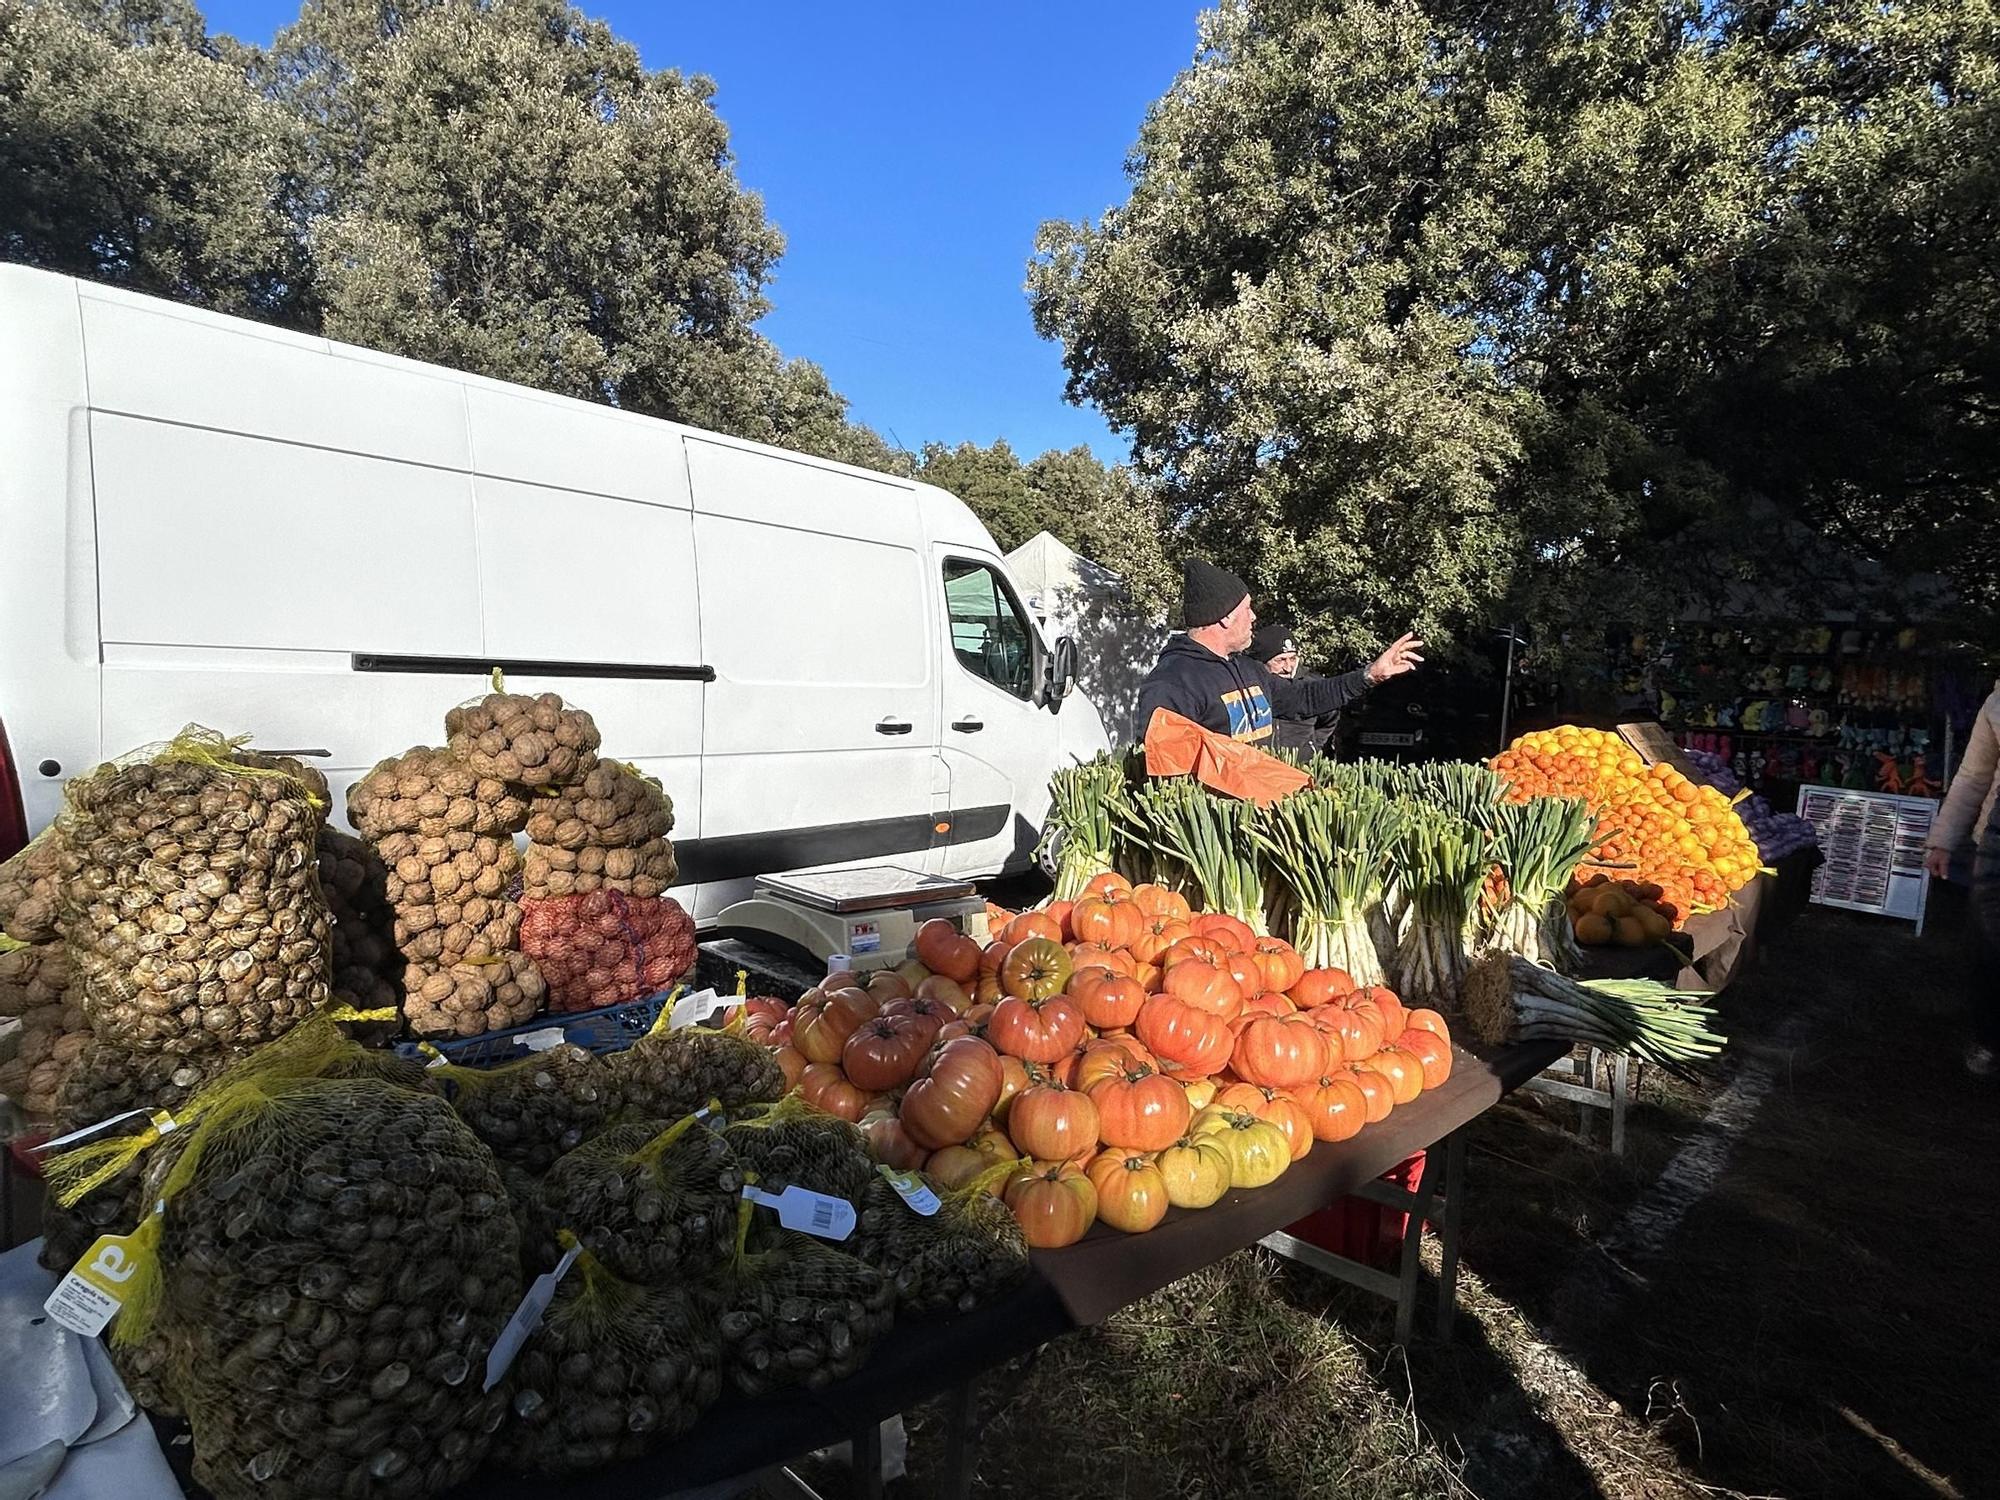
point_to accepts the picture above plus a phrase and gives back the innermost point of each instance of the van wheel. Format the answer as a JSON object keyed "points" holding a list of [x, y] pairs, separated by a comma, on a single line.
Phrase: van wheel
{"points": [[1048, 853]]}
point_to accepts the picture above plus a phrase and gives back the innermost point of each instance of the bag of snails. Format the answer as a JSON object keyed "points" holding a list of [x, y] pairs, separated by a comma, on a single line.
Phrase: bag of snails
{"points": [[655, 1203], [328, 1264], [535, 1110], [616, 1369], [191, 904]]}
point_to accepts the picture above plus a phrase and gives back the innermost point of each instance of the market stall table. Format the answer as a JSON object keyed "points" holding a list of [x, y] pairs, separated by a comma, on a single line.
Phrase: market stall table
{"points": [[1067, 1289]]}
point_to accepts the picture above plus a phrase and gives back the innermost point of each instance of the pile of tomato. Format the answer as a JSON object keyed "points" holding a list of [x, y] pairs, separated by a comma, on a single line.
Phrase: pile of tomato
{"points": [[1654, 826], [1104, 1060]]}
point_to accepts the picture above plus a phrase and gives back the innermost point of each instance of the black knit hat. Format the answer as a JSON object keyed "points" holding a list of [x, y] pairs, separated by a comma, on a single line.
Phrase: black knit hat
{"points": [[1208, 593], [1271, 642]]}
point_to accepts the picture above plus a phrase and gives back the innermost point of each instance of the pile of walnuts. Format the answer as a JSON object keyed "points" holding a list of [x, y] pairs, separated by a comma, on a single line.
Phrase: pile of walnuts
{"points": [[606, 833], [471, 998], [526, 741]]}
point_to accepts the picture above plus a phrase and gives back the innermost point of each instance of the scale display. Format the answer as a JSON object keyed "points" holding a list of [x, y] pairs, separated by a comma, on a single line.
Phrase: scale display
{"points": [[1873, 845]]}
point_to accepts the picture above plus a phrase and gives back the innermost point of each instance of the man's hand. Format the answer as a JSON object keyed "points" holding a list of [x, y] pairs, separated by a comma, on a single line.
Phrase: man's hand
{"points": [[1938, 862], [1401, 657]]}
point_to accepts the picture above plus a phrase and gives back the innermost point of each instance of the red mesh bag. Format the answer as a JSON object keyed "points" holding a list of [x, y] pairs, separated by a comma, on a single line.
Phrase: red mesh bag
{"points": [[605, 948]]}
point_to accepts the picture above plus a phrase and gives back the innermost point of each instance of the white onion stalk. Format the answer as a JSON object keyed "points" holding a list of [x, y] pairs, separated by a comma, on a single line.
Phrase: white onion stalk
{"points": [[1324, 847], [1538, 845], [1443, 864]]}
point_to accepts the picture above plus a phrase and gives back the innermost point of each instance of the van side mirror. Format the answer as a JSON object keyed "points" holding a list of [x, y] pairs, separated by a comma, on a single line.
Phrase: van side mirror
{"points": [[1061, 674]]}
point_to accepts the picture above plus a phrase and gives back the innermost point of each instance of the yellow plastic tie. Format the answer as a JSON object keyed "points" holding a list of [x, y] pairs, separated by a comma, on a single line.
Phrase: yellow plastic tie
{"points": [[742, 984], [349, 1014], [141, 1293], [498, 679], [666, 1011], [9, 944], [654, 1149]]}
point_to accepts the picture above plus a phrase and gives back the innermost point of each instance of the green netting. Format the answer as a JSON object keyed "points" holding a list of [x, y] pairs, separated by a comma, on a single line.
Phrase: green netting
{"points": [[654, 1202]]}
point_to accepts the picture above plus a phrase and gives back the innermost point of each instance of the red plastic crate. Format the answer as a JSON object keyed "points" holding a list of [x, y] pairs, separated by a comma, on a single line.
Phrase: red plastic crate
{"points": [[1360, 1230]]}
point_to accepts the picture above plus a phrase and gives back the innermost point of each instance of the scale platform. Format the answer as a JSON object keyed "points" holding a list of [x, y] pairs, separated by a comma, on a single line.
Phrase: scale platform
{"points": [[870, 914]]}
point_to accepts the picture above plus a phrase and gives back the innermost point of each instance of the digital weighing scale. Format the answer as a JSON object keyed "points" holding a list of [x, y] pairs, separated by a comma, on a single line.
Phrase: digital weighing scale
{"points": [[871, 914]]}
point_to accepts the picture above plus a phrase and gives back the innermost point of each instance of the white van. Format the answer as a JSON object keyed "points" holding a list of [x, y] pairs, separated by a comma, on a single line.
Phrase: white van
{"points": [[203, 519]]}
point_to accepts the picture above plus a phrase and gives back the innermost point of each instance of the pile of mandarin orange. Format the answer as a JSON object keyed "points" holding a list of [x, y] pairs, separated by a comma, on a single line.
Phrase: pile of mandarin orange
{"points": [[1653, 824]]}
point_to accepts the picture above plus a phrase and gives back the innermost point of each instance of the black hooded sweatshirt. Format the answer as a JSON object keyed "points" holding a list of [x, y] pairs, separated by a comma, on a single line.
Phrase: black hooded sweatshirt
{"points": [[1237, 695]]}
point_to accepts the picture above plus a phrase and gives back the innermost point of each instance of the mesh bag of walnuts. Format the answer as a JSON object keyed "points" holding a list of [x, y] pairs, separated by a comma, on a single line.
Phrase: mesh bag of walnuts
{"points": [[644, 872], [965, 1254], [614, 806], [799, 1312], [31, 890], [615, 1370], [367, 967], [449, 894], [792, 1142], [525, 740], [655, 1203], [467, 999], [34, 986], [333, 1262], [533, 1111], [431, 793], [606, 948], [191, 899], [666, 1074]]}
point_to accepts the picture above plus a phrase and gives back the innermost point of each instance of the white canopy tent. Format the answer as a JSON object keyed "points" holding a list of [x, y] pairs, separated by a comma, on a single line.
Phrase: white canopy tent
{"points": [[1116, 644]]}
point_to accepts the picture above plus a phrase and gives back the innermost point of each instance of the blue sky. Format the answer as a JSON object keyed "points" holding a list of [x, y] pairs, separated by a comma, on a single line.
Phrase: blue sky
{"points": [[909, 151]]}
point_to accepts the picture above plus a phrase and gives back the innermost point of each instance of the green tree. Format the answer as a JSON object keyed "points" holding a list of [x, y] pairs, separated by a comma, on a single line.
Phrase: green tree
{"points": [[504, 188], [1460, 313], [133, 152]]}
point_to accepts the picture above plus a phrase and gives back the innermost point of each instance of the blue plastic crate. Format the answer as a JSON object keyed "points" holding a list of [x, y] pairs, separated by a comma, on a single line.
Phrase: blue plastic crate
{"points": [[610, 1028]]}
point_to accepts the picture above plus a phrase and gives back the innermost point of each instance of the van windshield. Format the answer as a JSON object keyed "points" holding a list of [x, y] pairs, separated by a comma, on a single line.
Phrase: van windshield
{"points": [[989, 636]]}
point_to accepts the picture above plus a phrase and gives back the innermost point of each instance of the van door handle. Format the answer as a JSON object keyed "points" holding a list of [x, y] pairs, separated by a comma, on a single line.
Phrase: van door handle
{"points": [[968, 725], [893, 725]]}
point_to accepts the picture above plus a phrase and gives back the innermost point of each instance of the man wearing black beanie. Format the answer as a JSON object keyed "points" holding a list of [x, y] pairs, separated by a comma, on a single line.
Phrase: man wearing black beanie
{"points": [[1200, 675]]}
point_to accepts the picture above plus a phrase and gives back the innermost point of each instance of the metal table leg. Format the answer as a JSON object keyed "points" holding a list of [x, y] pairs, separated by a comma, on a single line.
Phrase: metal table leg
{"points": [[1454, 1203], [959, 1449]]}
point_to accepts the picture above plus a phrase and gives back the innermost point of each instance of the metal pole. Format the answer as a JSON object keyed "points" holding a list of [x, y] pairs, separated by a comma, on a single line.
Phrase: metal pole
{"points": [[1507, 689]]}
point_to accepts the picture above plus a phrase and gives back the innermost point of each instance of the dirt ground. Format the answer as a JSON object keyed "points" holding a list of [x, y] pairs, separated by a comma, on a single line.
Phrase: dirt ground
{"points": [[1810, 1316]]}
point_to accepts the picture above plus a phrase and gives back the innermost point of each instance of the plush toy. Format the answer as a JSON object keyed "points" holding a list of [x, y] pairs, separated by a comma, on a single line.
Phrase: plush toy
{"points": [[1920, 783], [1888, 775], [1795, 679], [1820, 723]]}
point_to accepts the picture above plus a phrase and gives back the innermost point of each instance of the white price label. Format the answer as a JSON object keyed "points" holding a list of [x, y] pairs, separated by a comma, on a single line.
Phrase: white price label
{"points": [[90, 1295], [912, 1189], [527, 1318], [693, 1009], [808, 1212], [161, 1120]]}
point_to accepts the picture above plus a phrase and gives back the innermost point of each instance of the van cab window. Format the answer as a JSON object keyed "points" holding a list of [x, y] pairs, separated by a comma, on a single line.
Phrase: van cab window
{"points": [[988, 634]]}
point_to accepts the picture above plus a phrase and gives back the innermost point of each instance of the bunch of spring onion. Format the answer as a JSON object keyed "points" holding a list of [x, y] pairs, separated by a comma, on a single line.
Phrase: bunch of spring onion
{"points": [[1208, 836], [1538, 845], [1082, 822], [1327, 851], [1441, 863], [1508, 998]]}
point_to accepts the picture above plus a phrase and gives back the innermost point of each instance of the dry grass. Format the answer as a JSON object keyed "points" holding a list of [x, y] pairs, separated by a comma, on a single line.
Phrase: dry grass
{"points": [[1821, 1325]]}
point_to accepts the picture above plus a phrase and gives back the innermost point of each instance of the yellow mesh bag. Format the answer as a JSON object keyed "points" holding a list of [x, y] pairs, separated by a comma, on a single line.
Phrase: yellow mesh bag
{"points": [[792, 1142], [615, 1370], [538, 1109], [800, 1312], [967, 1253], [655, 1203]]}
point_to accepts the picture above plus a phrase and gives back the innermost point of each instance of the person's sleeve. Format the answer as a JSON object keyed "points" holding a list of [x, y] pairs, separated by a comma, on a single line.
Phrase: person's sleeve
{"points": [[1163, 690], [1308, 698], [1968, 788]]}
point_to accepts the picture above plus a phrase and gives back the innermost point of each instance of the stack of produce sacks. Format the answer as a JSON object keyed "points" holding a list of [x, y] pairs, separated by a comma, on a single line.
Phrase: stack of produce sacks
{"points": [[445, 835], [332, 1261], [599, 862], [191, 906], [34, 979]]}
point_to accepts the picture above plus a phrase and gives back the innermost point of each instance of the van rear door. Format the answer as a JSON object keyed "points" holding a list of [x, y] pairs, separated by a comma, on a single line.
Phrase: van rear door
{"points": [[820, 739]]}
